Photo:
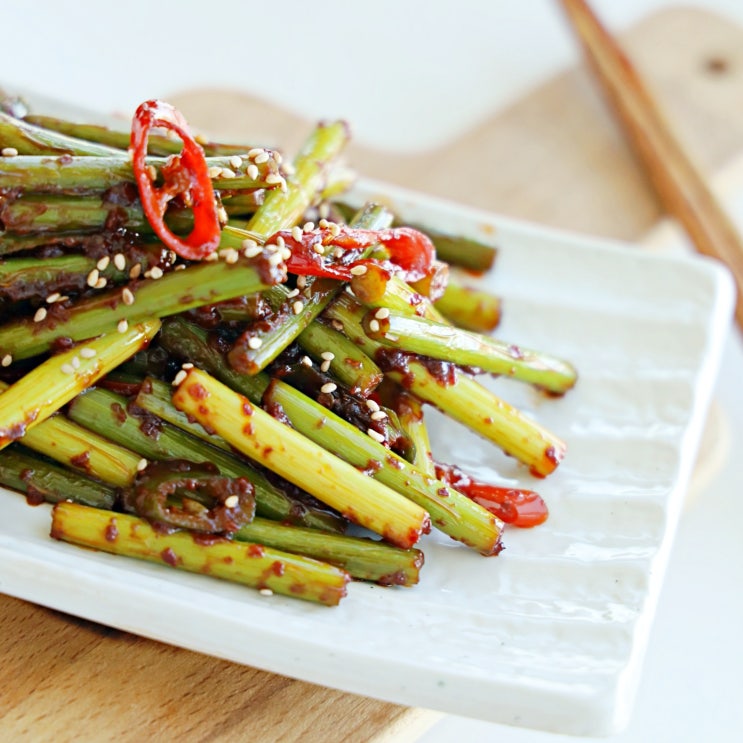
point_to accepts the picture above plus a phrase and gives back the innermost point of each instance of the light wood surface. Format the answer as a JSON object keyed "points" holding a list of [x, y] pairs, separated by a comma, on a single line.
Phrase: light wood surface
{"points": [[555, 157]]}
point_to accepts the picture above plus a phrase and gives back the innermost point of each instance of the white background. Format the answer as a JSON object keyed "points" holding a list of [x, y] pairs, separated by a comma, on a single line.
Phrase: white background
{"points": [[410, 75]]}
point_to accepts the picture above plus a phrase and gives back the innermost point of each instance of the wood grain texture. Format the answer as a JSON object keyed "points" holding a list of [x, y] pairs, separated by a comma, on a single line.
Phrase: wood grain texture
{"points": [[554, 157]]}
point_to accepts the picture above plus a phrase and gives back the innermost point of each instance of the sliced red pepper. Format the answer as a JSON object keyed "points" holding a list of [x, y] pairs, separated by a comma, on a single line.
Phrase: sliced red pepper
{"points": [[411, 252], [523, 508], [185, 174]]}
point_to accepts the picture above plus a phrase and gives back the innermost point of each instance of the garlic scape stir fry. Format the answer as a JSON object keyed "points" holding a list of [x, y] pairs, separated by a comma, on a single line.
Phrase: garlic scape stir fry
{"points": [[208, 360]]}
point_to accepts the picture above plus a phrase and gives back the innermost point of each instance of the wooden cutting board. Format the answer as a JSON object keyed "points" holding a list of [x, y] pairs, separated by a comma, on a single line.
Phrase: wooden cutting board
{"points": [[554, 157]]}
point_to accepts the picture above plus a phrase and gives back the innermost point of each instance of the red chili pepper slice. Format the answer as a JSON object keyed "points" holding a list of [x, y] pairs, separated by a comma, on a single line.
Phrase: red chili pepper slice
{"points": [[411, 252], [523, 508], [185, 173]]}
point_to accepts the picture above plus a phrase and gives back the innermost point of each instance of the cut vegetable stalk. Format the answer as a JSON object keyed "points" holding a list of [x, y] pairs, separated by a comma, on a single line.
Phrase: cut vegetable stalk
{"points": [[285, 451], [54, 383], [250, 564], [469, 308]]}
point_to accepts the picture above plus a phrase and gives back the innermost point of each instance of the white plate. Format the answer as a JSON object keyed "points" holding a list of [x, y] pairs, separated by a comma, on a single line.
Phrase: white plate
{"points": [[550, 634]]}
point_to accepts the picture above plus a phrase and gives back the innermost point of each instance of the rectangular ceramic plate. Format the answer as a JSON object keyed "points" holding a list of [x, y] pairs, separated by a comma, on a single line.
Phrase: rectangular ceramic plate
{"points": [[551, 633]]}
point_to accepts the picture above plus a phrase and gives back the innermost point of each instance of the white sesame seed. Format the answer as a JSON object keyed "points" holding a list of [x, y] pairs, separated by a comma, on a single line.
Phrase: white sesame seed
{"points": [[102, 264], [265, 592], [280, 242], [286, 253], [186, 365], [236, 161], [255, 152], [151, 172], [255, 342], [120, 261], [327, 355], [87, 353], [319, 248], [222, 214], [372, 405], [231, 501], [358, 270], [382, 313], [178, 378], [375, 435], [308, 226], [274, 179], [277, 156], [213, 256], [214, 171], [302, 282], [226, 173], [101, 283], [180, 267], [156, 273], [297, 233], [325, 366], [337, 325], [323, 224], [297, 307], [9, 152], [92, 278], [67, 369], [378, 415], [306, 360], [253, 172], [293, 293], [328, 387], [53, 297], [262, 158], [142, 464], [75, 361], [123, 326], [135, 271], [231, 255], [252, 252], [7, 360], [127, 296], [374, 326], [335, 229], [275, 258], [248, 244], [40, 314], [338, 253]]}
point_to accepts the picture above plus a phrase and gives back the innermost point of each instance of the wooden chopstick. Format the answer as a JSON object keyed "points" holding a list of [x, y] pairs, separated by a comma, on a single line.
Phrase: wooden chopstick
{"points": [[678, 182]]}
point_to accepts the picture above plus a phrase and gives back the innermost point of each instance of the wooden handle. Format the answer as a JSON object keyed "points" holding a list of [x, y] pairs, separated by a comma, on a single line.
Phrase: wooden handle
{"points": [[677, 180]]}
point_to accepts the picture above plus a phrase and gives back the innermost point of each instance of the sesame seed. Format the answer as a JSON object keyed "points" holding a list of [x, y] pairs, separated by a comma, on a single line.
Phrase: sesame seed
{"points": [[252, 252], [87, 353], [327, 355], [67, 369], [231, 255], [358, 270], [214, 171], [302, 282], [277, 156], [142, 464], [151, 172], [253, 172], [101, 283], [335, 229], [255, 342], [262, 158], [213, 256], [374, 326], [135, 271], [255, 152], [187, 365], [280, 242], [227, 173], [274, 179], [297, 307], [337, 325], [127, 296], [123, 326], [120, 261], [323, 224], [297, 233], [236, 161], [75, 361], [306, 360], [248, 243], [7, 360], [286, 253], [155, 273], [222, 214], [308, 226], [102, 264], [319, 248], [293, 293], [178, 378], [9, 152], [92, 278], [373, 405], [231, 501], [53, 297], [382, 313], [265, 592], [180, 267], [328, 387], [325, 366], [40, 314], [375, 435], [378, 415], [275, 258], [338, 253]]}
